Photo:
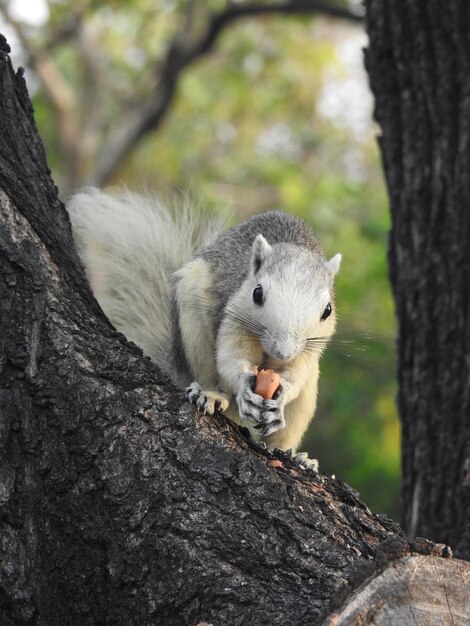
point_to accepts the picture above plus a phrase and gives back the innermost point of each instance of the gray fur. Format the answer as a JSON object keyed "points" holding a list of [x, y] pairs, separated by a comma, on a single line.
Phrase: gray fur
{"points": [[229, 256], [182, 371]]}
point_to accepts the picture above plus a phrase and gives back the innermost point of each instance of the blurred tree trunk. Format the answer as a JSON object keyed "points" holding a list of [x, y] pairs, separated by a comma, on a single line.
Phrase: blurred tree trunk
{"points": [[119, 506], [419, 66]]}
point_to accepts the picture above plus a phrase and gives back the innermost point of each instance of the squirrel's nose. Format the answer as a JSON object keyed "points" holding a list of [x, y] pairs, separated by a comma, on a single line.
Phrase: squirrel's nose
{"points": [[283, 351], [281, 356]]}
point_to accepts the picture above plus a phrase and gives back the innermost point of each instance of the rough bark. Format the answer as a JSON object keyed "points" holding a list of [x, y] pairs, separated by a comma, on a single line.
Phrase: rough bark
{"points": [[119, 505], [419, 66]]}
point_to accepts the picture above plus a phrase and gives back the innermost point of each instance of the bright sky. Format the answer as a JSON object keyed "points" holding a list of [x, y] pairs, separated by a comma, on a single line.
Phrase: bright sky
{"points": [[346, 99], [32, 12]]}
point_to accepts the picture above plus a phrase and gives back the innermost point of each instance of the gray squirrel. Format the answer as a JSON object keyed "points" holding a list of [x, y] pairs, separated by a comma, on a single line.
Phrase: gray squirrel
{"points": [[208, 304]]}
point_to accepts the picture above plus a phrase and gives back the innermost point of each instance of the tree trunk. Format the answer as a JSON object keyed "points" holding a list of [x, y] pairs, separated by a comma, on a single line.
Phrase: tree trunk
{"points": [[419, 67], [119, 505]]}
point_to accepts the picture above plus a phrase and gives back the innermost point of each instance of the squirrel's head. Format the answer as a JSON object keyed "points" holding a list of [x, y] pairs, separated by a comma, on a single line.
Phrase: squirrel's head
{"points": [[289, 292]]}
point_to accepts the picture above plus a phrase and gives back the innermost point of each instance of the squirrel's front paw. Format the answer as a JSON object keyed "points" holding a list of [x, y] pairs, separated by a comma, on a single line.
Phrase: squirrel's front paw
{"points": [[302, 460], [207, 401], [272, 416], [249, 404]]}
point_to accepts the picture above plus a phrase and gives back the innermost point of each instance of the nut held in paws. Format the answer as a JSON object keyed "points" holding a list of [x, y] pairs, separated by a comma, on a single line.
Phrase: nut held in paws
{"points": [[267, 381]]}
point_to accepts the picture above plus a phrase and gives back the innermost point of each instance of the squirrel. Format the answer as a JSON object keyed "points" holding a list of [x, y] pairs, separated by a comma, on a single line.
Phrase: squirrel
{"points": [[209, 304]]}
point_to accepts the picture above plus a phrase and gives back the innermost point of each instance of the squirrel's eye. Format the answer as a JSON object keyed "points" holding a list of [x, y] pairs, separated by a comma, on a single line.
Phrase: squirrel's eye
{"points": [[258, 295], [326, 312]]}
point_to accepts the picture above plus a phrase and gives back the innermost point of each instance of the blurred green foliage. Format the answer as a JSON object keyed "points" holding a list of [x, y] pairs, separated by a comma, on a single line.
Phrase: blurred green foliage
{"points": [[250, 130]]}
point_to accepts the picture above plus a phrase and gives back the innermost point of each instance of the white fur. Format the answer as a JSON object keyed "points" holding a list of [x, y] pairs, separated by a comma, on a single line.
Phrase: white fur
{"points": [[130, 245], [237, 354], [299, 411], [290, 314], [334, 264], [195, 307], [260, 251]]}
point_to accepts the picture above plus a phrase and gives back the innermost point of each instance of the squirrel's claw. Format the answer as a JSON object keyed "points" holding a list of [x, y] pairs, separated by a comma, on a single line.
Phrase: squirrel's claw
{"points": [[269, 428], [302, 460], [270, 421], [193, 392], [272, 416], [206, 401], [249, 403], [266, 416]]}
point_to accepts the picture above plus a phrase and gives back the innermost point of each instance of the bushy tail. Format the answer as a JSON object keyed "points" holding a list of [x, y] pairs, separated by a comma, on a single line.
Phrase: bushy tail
{"points": [[130, 245]]}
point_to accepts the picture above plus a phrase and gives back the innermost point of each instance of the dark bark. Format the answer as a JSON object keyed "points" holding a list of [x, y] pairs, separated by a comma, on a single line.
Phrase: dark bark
{"points": [[119, 506], [419, 66]]}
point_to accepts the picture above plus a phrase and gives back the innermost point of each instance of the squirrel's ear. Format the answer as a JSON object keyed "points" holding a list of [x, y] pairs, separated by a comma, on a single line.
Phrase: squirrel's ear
{"points": [[259, 252], [333, 264]]}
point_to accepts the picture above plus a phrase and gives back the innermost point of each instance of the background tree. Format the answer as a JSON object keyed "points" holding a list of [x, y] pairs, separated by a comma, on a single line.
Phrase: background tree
{"points": [[273, 117], [419, 62], [118, 116]]}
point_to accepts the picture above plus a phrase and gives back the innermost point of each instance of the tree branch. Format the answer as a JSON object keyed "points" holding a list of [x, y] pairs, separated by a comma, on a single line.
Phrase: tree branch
{"points": [[180, 55]]}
